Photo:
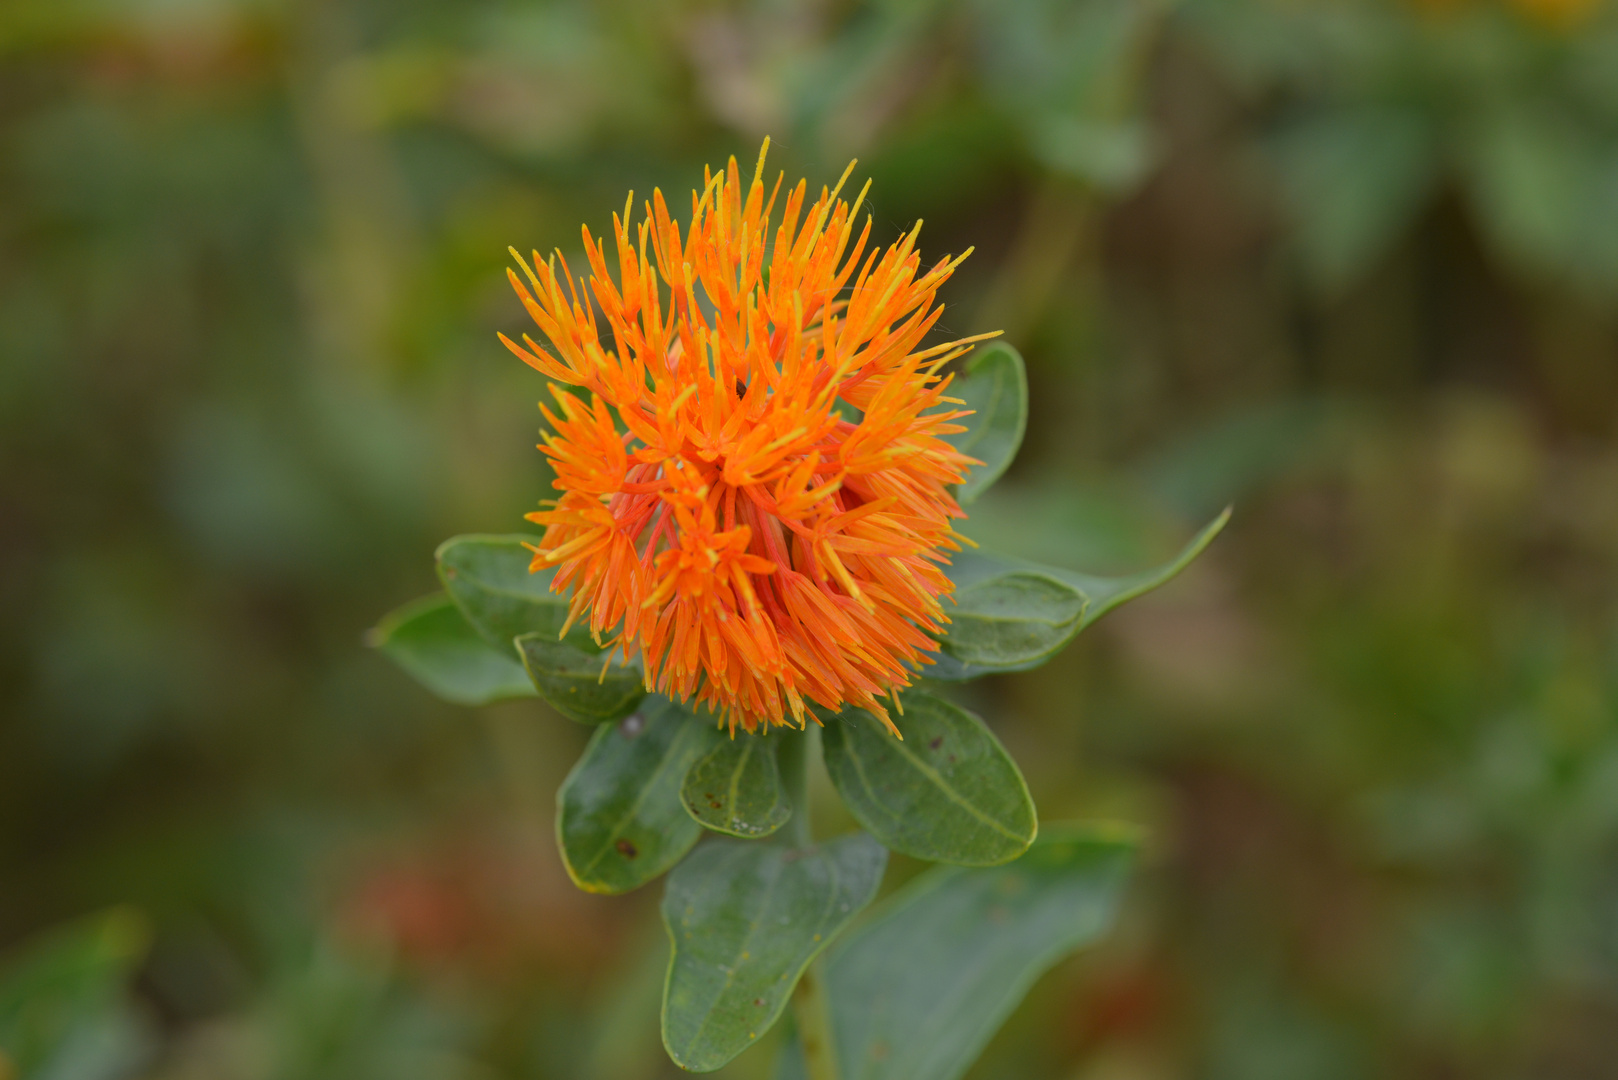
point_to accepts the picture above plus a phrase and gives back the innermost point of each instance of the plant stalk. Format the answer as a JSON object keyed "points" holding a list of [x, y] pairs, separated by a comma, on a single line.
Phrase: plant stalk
{"points": [[812, 1012], [797, 750], [809, 1005]]}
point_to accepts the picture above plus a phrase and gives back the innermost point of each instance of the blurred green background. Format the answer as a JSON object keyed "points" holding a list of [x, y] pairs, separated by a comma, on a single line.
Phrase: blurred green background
{"points": [[1351, 264]]}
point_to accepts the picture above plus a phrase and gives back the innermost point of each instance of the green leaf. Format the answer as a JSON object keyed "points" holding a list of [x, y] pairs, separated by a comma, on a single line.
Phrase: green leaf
{"points": [[1245, 450], [64, 1009], [1354, 179], [619, 821], [489, 580], [434, 643], [1006, 616], [1112, 154], [745, 919], [1014, 615], [1106, 593], [948, 792], [995, 387], [918, 991], [1533, 174], [582, 686], [736, 788]]}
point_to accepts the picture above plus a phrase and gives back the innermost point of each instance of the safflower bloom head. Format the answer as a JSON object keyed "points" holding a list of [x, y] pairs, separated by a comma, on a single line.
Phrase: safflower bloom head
{"points": [[755, 493]]}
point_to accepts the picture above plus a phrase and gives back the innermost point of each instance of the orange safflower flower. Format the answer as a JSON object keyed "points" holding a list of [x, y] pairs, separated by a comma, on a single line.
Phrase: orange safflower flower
{"points": [[755, 496]]}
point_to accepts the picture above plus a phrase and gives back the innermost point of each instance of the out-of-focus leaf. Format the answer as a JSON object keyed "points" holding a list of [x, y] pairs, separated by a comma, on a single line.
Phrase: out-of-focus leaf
{"points": [[1063, 522], [327, 1012], [919, 990], [866, 50], [1601, 234], [745, 919], [1354, 180], [582, 686], [1532, 177], [736, 788], [1013, 610], [63, 1011], [995, 388], [1079, 57], [434, 643], [1242, 451], [626, 1001], [1114, 156], [1106, 593], [619, 821], [948, 792], [1069, 73], [489, 580]]}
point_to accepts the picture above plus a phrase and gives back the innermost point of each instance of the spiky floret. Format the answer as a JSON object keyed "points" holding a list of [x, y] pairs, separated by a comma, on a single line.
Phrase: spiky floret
{"points": [[724, 513]]}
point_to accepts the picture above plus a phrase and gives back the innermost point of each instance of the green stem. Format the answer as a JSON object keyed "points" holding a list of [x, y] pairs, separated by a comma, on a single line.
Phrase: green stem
{"points": [[811, 1010], [809, 1005], [797, 749]]}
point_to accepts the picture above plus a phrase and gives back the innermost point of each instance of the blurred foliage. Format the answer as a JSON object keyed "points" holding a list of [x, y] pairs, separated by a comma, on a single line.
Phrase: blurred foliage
{"points": [[63, 1010], [1350, 263], [1374, 109]]}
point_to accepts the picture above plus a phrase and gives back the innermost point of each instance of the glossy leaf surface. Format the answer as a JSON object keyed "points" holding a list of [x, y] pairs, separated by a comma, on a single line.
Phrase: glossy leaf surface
{"points": [[581, 685], [995, 388], [432, 641], [736, 788], [488, 578], [948, 792], [620, 822], [1014, 615], [1005, 616], [917, 992], [745, 919]]}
